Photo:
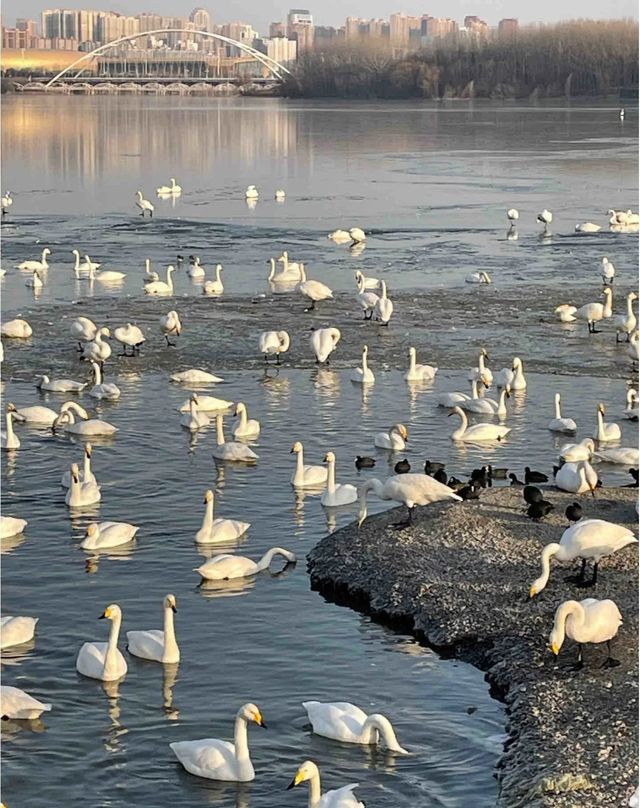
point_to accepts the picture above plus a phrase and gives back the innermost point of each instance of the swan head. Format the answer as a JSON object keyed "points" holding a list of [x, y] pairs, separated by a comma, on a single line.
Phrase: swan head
{"points": [[307, 771], [412, 352], [88, 450], [240, 407], [170, 602], [249, 712], [296, 448], [329, 458], [517, 364], [607, 292], [400, 429], [112, 612], [46, 251], [632, 296], [105, 331], [92, 530], [208, 496], [75, 473], [457, 411], [601, 408]]}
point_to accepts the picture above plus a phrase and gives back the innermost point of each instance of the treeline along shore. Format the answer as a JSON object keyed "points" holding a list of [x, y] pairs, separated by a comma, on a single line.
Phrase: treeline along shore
{"points": [[577, 58]]}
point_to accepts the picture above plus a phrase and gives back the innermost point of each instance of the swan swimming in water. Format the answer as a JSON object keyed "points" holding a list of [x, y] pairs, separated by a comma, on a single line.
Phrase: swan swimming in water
{"points": [[41, 264], [307, 476], [81, 494], [104, 660], [9, 441], [481, 373], [216, 531], [35, 281], [487, 406], [419, 373], [336, 494], [16, 329], [340, 236], [231, 450], [103, 390], [169, 189], [195, 268], [363, 374], [479, 277], [194, 420], [195, 376], [478, 432], [287, 276], [86, 475], [624, 456], [44, 415], [248, 427], [106, 276], [226, 567], [215, 287], [161, 287], [157, 645], [560, 424], [59, 385], [102, 535], [605, 432], [16, 630], [395, 439], [345, 722], [577, 478], [251, 192], [94, 427], [588, 227], [336, 798]]}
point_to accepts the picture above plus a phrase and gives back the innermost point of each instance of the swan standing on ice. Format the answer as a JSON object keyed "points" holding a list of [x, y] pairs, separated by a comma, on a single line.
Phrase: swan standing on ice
{"points": [[16, 630], [565, 312], [593, 313], [215, 531], [97, 350], [18, 705], [395, 439], [41, 264], [86, 475], [324, 342], [170, 326], [161, 287], [407, 489], [363, 374], [215, 287], [16, 329], [586, 621], [251, 192], [248, 427], [577, 478], [545, 217], [607, 271], [59, 385], [155, 644], [605, 432], [336, 494], [144, 205], [83, 330], [103, 660], [81, 494], [383, 309], [626, 323], [307, 476], [560, 424], [588, 538], [129, 336], [345, 722], [273, 343], [477, 433], [220, 760], [340, 236], [5, 202], [367, 300], [364, 282], [313, 290], [102, 535], [357, 235], [513, 215], [226, 567], [336, 798], [419, 373], [169, 189], [231, 450]]}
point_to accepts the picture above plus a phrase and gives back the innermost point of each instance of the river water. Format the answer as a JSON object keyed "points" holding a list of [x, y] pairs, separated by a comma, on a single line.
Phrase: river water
{"points": [[430, 185]]}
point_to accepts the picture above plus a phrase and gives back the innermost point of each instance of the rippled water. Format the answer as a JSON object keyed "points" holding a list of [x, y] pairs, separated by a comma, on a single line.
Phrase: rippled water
{"points": [[431, 183]]}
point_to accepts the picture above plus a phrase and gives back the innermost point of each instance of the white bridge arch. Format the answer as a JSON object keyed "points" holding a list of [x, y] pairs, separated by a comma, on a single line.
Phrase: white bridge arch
{"points": [[277, 69]]}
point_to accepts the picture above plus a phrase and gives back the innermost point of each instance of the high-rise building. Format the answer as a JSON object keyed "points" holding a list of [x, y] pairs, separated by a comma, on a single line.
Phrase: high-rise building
{"points": [[300, 28], [201, 19], [508, 27], [324, 35], [24, 36], [109, 26], [400, 27], [29, 26], [86, 26], [476, 27], [282, 50], [277, 29], [150, 22], [439, 28]]}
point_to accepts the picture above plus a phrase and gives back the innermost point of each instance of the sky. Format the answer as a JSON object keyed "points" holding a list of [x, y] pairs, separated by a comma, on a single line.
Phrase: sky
{"points": [[333, 12]]}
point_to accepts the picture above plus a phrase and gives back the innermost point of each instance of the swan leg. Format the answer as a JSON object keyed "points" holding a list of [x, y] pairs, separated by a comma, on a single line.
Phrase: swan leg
{"points": [[610, 662], [578, 579], [80, 348], [277, 359], [169, 343], [405, 522], [579, 662], [594, 580]]}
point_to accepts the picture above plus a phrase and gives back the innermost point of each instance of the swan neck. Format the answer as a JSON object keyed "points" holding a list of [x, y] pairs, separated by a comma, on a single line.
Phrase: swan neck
{"points": [[549, 551], [243, 418], [97, 376], [267, 558], [331, 478], [570, 608], [273, 269], [558, 408], [464, 422], [9, 418], [412, 361], [315, 792], [219, 431], [170, 643], [379, 724], [300, 462], [365, 367], [111, 657], [86, 469], [207, 520], [303, 274], [240, 739]]}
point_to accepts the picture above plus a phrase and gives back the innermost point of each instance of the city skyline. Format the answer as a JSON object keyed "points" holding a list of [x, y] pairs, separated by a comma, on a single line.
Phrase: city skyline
{"points": [[333, 13]]}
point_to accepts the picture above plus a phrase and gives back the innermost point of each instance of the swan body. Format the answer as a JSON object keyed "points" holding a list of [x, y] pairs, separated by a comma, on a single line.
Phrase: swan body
{"points": [[18, 705], [104, 660], [566, 313], [560, 424], [395, 439], [16, 630], [194, 420], [280, 195], [513, 215], [129, 336], [631, 410], [342, 721], [324, 342], [605, 432], [336, 798], [626, 323], [231, 450], [607, 271], [5, 202], [195, 376], [588, 227], [340, 236], [307, 476], [59, 385], [585, 621], [290, 274], [83, 329], [149, 274], [593, 313], [477, 432], [215, 287], [487, 405], [518, 381], [87, 266], [161, 287], [103, 390], [106, 276], [144, 205], [169, 189], [574, 452], [157, 645], [35, 281], [11, 526], [383, 309], [215, 531], [81, 494], [248, 427], [577, 478], [102, 535], [290, 267], [205, 404], [226, 567], [481, 373], [313, 290], [363, 374], [251, 192], [419, 373], [41, 264], [86, 475], [9, 441], [624, 456], [274, 343], [16, 329], [336, 495], [220, 760], [94, 427], [634, 346], [367, 301], [588, 538], [363, 282], [170, 325], [357, 235], [455, 399], [478, 277], [97, 350], [407, 489], [545, 217]]}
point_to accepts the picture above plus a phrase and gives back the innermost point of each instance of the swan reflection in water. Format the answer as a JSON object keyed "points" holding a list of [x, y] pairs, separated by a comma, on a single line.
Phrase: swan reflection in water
{"points": [[169, 679], [300, 495], [16, 654], [120, 553], [116, 730]]}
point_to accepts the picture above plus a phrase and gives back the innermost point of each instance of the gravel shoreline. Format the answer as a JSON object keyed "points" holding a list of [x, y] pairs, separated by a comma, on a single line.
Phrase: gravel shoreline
{"points": [[458, 579]]}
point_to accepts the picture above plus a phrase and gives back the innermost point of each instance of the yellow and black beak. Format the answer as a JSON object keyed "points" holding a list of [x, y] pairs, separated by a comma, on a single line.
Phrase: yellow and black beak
{"points": [[296, 781], [104, 614], [174, 608]]}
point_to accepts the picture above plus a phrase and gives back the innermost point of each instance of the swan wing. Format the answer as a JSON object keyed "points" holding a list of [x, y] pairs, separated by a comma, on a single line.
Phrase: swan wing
{"points": [[341, 721], [596, 538], [15, 703], [11, 526], [341, 798], [208, 757], [16, 630], [146, 644], [90, 660]]}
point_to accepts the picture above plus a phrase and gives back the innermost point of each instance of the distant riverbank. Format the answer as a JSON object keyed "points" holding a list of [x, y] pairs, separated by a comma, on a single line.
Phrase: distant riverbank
{"points": [[459, 579]]}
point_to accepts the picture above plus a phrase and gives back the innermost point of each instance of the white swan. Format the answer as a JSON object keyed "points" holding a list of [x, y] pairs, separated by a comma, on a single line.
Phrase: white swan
{"points": [[251, 192], [289, 275], [634, 346], [44, 415], [98, 350], [104, 660], [513, 215], [626, 323], [81, 494], [363, 282], [605, 432], [170, 326], [363, 374], [129, 336], [273, 343], [307, 476], [149, 274], [18, 705], [194, 420], [586, 621], [59, 385], [573, 452], [481, 373], [16, 329], [395, 439], [342, 721], [367, 301], [336, 494], [94, 427], [458, 399], [488, 405], [84, 267], [280, 195], [560, 424], [290, 266], [624, 456], [161, 287], [336, 798], [357, 235], [324, 342], [545, 217], [383, 309], [512, 377], [9, 441], [5, 202], [16, 630], [226, 567], [215, 287], [231, 450], [205, 404], [144, 205], [313, 290], [41, 264], [566, 312], [577, 478], [588, 538], [216, 531], [155, 644], [607, 271], [103, 390], [248, 427], [419, 373], [340, 236], [407, 489], [478, 277], [631, 410], [35, 281], [83, 329], [106, 276], [588, 227], [593, 313], [169, 189], [477, 432], [86, 475], [195, 376], [102, 535], [11, 526]]}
